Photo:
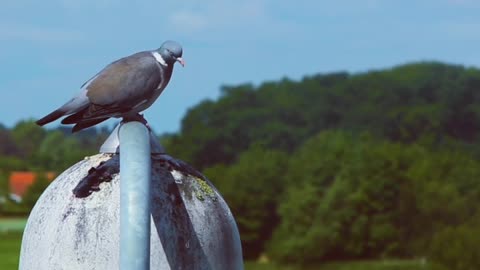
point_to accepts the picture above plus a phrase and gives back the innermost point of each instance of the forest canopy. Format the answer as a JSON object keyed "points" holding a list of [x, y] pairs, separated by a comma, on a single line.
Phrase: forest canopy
{"points": [[376, 164]]}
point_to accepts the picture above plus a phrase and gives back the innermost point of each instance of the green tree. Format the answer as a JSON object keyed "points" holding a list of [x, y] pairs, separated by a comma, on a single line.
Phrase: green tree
{"points": [[361, 197], [457, 247], [253, 187], [4, 191], [58, 152], [35, 190], [27, 136], [404, 104], [8, 146], [4, 185]]}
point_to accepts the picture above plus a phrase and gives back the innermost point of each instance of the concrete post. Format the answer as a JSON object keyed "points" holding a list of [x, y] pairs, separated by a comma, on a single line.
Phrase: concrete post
{"points": [[76, 222], [135, 171]]}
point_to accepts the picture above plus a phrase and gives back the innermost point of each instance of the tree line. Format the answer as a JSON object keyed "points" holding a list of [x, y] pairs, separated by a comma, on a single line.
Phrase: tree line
{"points": [[378, 164]]}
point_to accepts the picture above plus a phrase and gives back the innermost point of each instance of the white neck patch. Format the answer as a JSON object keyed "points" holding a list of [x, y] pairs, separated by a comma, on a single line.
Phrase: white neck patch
{"points": [[159, 59]]}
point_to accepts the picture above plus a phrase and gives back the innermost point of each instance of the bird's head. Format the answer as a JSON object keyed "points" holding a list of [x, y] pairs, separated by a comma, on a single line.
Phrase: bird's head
{"points": [[171, 52]]}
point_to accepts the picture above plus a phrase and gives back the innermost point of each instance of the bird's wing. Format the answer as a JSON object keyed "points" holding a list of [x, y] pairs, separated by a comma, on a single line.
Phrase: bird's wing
{"points": [[117, 89], [120, 87], [74, 105], [125, 83]]}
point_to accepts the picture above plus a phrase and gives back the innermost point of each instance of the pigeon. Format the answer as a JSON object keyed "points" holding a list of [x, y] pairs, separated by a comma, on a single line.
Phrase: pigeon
{"points": [[122, 89]]}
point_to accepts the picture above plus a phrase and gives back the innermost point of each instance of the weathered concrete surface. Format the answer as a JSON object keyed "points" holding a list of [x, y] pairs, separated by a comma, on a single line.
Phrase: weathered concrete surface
{"points": [[192, 227]]}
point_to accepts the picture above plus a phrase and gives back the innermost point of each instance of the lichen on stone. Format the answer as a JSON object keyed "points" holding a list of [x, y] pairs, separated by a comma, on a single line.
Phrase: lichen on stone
{"points": [[203, 190], [199, 196]]}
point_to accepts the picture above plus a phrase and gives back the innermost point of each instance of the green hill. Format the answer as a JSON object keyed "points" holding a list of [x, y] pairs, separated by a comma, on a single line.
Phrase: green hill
{"points": [[338, 166], [422, 101]]}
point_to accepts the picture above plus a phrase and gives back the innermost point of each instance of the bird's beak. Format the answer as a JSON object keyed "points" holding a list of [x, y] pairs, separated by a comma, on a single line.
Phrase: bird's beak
{"points": [[181, 61]]}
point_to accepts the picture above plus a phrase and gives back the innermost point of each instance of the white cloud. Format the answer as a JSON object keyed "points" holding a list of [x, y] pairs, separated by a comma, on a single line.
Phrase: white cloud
{"points": [[463, 3], [212, 14], [233, 19], [188, 21], [462, 30], [77, 4], [13, 32], [65, 4], [459, 1]]}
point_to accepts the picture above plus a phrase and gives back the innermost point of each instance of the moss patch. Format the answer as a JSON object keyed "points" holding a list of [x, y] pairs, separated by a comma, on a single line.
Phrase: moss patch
{"points": [[203, 190]]}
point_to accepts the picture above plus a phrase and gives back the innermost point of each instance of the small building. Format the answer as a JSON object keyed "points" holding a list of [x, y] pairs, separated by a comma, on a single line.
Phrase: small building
{"points": [[19, 182]]}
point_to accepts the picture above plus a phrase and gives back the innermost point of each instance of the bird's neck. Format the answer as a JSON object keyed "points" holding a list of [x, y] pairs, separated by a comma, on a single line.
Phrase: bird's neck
{"points": [[159, 59]]}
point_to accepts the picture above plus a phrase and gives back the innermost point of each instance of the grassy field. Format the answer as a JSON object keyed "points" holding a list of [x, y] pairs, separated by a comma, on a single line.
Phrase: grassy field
{"points": [[357, 265], [10, 250], [11, 237], [12, 224]]}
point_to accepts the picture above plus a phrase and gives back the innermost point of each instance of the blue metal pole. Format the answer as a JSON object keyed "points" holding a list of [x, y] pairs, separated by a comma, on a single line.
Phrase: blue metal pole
{"points": [[135, 174]]}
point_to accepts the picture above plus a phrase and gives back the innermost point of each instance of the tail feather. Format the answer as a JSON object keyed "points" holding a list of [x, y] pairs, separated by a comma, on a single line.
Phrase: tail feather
{"points": [[74, 118], [87, 123], [50, 117]]}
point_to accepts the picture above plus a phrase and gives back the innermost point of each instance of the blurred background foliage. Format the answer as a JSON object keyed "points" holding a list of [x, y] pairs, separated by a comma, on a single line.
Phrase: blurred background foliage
{"points": [[338, 166]]}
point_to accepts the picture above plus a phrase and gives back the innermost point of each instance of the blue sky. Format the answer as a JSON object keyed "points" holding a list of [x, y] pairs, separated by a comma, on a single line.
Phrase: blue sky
{"points": [[49, 48]]}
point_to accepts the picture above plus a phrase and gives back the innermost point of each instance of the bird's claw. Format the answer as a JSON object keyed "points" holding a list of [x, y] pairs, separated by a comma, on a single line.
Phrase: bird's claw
{"points": [[136, 117]]}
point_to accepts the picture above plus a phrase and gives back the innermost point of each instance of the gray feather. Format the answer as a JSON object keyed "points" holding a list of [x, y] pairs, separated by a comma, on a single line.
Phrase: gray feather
{"points": [[123, 88]]}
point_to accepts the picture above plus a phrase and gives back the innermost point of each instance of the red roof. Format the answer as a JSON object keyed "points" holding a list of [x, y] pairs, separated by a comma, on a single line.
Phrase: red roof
{"points": [[20, 181]]}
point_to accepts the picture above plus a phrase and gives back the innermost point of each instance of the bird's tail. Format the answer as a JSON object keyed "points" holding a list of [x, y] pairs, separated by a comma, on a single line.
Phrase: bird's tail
{"points": [[50, 117], [87, 123]]}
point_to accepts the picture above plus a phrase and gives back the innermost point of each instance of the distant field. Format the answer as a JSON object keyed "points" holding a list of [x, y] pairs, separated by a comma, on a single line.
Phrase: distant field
{"points": [[11, 238], [360, 265], [12, 224], [10, 249]]}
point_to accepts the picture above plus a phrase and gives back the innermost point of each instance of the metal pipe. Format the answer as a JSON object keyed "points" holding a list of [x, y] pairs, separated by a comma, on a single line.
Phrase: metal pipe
{"points": [[135, 174]]}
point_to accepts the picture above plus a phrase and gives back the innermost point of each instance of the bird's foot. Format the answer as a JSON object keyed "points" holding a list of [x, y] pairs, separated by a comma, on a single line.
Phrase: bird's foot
{"points": [[136, 117]]}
